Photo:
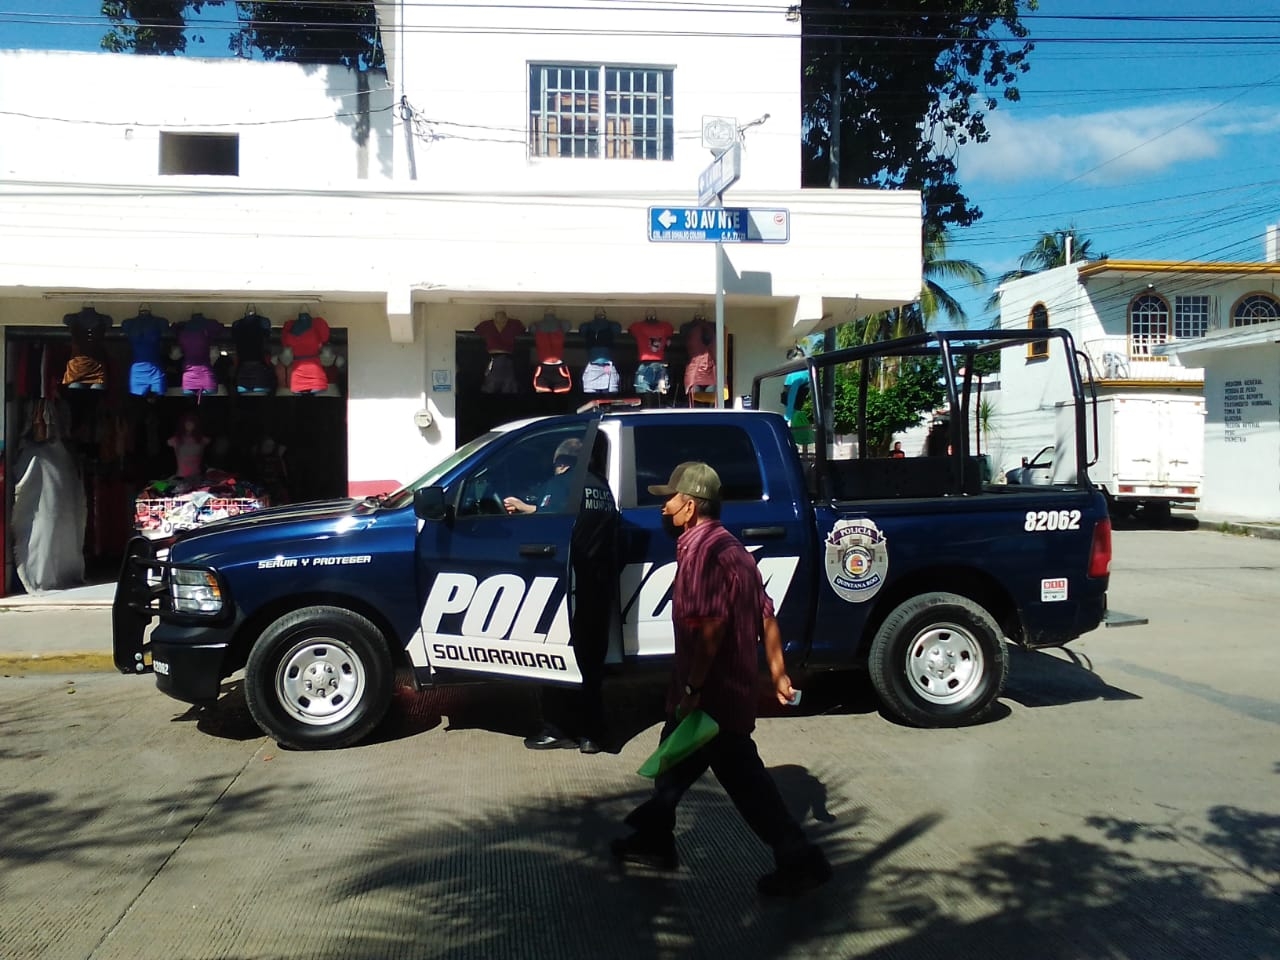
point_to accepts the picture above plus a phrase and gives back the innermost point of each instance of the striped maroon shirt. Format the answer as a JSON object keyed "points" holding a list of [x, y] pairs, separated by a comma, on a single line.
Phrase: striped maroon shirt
{"points": [[717, 578]]}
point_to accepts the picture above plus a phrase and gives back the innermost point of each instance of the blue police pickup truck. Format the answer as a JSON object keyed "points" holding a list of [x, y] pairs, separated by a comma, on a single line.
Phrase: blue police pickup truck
{"points": [[918, 569]]}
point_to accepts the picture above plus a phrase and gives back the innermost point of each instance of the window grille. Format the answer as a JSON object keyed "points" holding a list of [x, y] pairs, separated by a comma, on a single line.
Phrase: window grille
{"points": [[597, 110], [1190, 317], [1255, 308], [1148, 326]]}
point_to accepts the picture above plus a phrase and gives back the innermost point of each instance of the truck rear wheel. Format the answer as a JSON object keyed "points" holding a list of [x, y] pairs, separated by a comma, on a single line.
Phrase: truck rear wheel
{"points": [[318, 678], [938, 660]]}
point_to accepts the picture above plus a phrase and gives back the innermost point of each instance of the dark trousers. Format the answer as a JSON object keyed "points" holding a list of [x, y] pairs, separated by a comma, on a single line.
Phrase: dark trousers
{"points": [[578, 711], [734, 760]]}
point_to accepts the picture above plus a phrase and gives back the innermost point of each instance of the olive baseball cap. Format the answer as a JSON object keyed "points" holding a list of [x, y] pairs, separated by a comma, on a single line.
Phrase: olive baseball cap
{"points": [[693, 479]]}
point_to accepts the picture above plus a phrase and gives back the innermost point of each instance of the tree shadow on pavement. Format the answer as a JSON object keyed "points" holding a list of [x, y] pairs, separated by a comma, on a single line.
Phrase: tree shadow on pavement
{"points": [[1043, 678], [538, 882]]}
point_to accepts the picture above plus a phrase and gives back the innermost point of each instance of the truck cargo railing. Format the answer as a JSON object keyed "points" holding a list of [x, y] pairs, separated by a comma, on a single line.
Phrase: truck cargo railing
{"points": [[949, 467]]}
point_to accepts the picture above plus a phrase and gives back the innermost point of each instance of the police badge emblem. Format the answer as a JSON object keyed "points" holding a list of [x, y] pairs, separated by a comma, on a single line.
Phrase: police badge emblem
{"points": [[857, 559]]}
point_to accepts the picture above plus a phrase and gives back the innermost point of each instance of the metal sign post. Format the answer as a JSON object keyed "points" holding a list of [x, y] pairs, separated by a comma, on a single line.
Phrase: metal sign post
{"points": [[723, 172], [719, 316]]}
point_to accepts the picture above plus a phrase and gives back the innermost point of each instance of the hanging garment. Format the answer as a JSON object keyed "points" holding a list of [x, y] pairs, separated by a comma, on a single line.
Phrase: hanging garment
{"points": [[251, 335], [305, 336], [652, 337], [195, 337], [49, 516], [146, 335], [87, 366]]}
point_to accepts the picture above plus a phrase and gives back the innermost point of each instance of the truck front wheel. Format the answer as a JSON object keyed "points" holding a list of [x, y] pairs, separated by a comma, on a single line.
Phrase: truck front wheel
{"points": [[938, 660], [319, 677]]}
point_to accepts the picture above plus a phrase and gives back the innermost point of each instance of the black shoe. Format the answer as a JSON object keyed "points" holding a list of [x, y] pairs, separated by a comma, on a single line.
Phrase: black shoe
{"points": [[807, 872], [550, 740], [587, 745], [647, 850]]}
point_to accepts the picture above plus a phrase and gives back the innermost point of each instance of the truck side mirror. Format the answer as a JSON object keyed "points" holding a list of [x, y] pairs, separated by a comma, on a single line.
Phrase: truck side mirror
{"points": [[429, 503]]}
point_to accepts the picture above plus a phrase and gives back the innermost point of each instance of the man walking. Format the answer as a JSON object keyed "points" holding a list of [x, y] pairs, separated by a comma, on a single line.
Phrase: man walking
{"points": [[717, 612]]}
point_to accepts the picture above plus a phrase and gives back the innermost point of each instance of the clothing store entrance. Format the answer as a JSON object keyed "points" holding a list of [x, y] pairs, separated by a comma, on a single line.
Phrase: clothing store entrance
{"points": [[100, 448]]}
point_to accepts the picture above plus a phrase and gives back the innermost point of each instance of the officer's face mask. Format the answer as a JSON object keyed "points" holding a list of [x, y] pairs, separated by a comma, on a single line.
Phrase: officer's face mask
{"points": [[673, 521]]}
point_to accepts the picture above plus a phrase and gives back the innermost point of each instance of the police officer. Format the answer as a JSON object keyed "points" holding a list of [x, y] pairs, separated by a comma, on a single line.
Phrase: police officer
{"points": [[574, 716]]}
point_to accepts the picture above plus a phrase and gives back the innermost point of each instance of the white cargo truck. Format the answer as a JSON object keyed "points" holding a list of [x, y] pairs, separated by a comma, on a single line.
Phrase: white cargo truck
{"points": [[1145, 450]]}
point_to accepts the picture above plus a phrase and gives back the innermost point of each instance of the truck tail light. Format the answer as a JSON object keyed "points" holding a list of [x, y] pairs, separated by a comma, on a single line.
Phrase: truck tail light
{"points": [[1100, 549], [1126, 488], [1186, 489]]}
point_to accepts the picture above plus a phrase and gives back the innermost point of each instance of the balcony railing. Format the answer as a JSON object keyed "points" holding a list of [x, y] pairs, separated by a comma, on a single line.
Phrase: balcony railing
{"points": [[1114, 358]]}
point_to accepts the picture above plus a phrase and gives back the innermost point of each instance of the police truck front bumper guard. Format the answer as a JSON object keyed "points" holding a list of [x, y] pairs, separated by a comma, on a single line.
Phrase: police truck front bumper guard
{"points": [[145, 590]]}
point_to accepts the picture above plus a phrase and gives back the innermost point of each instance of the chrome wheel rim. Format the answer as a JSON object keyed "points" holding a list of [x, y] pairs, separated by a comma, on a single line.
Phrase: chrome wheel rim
{"points": [[320, 681], [944, 664]]}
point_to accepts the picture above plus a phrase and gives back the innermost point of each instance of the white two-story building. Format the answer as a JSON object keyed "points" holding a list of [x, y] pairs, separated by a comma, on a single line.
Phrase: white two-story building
{"points": [[1131, 318], [506, 160]]}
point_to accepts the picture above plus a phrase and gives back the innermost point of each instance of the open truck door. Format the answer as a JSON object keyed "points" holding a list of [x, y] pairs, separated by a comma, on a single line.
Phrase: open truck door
{"points": [[497, 567]]}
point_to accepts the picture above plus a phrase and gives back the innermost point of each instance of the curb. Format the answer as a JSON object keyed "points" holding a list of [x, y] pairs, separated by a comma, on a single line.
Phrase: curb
{"points": [[1258, 530], [13, 665]]}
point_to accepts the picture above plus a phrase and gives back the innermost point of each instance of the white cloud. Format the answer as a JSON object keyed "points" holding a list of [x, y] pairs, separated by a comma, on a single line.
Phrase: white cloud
{"points": [[1109, 146]]}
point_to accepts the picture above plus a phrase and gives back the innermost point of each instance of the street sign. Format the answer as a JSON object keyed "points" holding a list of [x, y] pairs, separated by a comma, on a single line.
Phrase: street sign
{"points": [[723, 172], [719, 224]]}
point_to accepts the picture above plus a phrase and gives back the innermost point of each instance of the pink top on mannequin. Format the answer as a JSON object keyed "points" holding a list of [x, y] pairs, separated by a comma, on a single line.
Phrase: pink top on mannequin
{"points": [[188, 443]]}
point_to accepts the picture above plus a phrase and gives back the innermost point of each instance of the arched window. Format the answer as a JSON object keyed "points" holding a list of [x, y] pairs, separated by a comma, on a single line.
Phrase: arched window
{"points": [[1255, 308], [1148, 325], [1039, 320]]}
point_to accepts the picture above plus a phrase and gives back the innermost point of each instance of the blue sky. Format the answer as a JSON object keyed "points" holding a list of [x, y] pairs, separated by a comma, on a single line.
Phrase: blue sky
{"points": [[1156, 138]]}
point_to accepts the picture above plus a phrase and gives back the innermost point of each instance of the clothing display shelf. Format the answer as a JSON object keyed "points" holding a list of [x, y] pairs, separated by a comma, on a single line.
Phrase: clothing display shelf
{"points": [[159, 517]]}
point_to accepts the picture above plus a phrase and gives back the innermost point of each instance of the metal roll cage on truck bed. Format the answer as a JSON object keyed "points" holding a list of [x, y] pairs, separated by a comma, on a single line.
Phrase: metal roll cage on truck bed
{"points": [[918, 570]]}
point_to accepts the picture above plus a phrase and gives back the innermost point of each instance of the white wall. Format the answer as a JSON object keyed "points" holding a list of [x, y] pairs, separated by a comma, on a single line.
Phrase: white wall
{"points": [[417, 261], [1242, 433], [466, 70], [97, 117]]}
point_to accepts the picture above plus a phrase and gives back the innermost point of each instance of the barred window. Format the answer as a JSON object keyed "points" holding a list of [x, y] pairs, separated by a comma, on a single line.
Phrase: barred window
{"points": [[598, 110], [1255, 308], [1190, 317], [1148, 325]]}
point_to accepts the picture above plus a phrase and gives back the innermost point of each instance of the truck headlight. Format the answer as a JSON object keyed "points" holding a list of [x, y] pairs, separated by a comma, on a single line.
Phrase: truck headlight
{"points": [[195, 591]]}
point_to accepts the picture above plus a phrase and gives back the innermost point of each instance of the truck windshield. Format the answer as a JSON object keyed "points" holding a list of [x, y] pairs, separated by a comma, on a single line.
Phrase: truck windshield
{"points": [[404, 496]]}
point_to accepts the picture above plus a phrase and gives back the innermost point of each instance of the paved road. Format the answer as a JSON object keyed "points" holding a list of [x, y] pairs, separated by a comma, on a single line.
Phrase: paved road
{"points": [[1124, 802]]}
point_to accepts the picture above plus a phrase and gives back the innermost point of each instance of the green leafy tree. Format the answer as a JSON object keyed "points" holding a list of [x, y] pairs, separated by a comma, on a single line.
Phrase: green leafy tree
{"points": [[337, 32], [149, 26], [892, 407], [910, 83]]}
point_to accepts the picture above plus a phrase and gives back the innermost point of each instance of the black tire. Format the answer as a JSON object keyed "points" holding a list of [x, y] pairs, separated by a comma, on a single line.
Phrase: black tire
{"points": [[319, 678], [938, 660]]}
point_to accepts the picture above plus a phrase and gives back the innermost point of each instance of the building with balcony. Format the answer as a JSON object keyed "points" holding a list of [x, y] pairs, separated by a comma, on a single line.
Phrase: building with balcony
{"points": [[1126, 317]]}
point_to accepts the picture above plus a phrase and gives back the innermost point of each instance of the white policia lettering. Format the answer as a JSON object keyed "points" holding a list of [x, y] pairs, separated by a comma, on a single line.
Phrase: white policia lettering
{"points": [[506, 609]]}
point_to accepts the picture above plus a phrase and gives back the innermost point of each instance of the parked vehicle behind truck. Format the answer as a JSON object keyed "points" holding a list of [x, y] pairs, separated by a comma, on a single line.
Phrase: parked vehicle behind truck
{"points": [[1146, 451], [914, 569]]}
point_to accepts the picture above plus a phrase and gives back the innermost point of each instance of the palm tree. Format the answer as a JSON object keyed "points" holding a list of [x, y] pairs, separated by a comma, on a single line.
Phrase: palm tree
{"points": [[1049, 251], [934, 301]]}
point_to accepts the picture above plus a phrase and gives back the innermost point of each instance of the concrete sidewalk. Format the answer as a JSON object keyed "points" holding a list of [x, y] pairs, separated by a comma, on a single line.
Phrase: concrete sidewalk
{"points": [[57, 630]]}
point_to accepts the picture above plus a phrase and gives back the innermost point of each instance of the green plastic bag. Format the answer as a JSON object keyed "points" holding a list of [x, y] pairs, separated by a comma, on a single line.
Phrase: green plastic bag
{"points": [[695, 730]]}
